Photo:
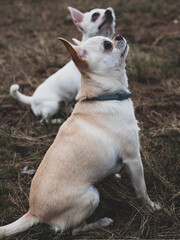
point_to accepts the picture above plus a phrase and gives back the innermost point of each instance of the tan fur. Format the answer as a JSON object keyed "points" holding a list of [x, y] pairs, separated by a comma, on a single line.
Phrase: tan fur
{"points": [[94, 142]]}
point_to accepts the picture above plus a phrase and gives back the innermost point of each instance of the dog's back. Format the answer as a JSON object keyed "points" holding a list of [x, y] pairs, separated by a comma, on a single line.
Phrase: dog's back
{"points": [[65, 83]]}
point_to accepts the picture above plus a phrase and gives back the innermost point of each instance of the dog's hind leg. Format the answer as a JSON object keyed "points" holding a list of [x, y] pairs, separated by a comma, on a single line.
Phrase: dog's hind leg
{"points": [[81, 208], [48, 109], [86, 205], [136, 172], [103, 222]]}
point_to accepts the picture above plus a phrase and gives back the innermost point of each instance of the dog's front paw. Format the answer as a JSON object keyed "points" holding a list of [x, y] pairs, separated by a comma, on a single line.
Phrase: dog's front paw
{"points": [[156, 207], [153, 207]]}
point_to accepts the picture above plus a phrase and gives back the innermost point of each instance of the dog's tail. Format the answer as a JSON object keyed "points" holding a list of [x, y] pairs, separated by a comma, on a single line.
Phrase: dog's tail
{"points": [[20, 225], [19, 96]]}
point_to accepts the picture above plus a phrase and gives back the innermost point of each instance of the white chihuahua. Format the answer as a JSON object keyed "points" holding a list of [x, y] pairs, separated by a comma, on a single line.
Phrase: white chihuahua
{"points": [[65, 83], [98, 139]]}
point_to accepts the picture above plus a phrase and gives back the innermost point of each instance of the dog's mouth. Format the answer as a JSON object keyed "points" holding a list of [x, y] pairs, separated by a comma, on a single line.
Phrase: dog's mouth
{"points": [[125, 50], [121, 43], [107, 21]]}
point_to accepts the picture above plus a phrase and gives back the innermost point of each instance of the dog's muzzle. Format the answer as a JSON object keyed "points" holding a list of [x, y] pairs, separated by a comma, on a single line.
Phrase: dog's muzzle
{"points": [[108, 13], [119, 38], [108, 18], [121, 43]]}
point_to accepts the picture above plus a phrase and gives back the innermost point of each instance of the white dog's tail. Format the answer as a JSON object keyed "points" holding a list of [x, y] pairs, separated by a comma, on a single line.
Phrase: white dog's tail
{"points": [[20, 225], [19, 96]]}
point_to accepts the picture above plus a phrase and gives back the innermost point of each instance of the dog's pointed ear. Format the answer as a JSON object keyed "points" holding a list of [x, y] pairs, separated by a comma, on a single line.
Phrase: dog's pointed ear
{"points": [[77, 54], [76, 15], [77, 42]]}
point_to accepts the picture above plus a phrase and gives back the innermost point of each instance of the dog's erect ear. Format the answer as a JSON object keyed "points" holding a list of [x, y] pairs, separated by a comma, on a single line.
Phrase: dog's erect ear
{"points": [[76, 15], [78, 55], [77, 42]]}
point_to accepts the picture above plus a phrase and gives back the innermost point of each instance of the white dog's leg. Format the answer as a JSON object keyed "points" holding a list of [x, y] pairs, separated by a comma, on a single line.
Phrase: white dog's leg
{"points": [[103, 222], [136, 172], [48, 109]]}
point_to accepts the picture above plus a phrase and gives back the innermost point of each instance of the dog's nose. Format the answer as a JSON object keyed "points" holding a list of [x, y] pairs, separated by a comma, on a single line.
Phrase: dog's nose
{"points": [[108, 13], [118, 38]]}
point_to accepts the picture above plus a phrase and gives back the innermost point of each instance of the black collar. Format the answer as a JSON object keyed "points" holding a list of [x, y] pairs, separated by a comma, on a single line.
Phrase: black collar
{"points": [[116, 96]]}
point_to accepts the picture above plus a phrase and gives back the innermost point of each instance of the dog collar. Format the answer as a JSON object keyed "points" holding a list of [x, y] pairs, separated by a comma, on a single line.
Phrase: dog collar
{"points": [[116, 96]]}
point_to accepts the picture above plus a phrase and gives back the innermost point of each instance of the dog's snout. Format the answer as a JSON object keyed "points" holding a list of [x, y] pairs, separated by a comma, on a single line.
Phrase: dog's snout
{"points": [[108, 13], [118, 38]]}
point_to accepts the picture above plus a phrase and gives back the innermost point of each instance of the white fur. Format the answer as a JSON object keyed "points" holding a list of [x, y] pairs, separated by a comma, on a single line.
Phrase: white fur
{"points": [[65, 83]]}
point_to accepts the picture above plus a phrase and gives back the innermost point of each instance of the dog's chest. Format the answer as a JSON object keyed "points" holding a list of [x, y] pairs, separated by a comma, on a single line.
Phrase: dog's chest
{"points": [[111, 125], [119, 115], [110, 117]]}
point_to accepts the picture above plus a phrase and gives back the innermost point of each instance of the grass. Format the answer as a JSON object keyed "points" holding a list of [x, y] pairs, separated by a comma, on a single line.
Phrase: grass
{"points": [[30, 53]]}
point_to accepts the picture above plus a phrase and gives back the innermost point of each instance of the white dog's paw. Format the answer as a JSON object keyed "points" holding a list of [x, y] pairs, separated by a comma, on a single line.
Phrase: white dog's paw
{"points": [[56, 121], [44, 121], [105, 222]]}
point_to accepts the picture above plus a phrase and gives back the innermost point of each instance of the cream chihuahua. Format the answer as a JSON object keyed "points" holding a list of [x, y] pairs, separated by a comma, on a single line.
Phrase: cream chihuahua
{"points": [[98, 139], [65, 83]]}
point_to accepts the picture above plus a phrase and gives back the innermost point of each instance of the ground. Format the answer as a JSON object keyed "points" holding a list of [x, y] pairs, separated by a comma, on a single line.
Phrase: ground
{"points": [[30, 52]]}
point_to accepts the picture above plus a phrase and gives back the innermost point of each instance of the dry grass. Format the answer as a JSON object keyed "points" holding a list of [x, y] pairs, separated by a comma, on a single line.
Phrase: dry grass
{"points": [[30, 52]]}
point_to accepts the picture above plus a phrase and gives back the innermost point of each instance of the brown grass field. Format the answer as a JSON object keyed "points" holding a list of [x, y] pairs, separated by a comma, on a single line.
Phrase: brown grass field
{"points": [[30, 52]]}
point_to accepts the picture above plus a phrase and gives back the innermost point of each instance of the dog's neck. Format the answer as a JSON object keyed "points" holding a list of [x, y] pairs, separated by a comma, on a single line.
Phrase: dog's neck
{"points": [[106, 33], [93, 85]]}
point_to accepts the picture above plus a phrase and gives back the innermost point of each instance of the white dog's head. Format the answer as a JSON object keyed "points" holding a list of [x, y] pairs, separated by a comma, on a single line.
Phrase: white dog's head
{"points": [[101, 62], [99, 55], [97, 22]]}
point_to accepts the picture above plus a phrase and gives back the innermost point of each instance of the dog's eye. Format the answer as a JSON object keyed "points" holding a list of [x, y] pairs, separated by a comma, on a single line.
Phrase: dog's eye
{"points": [[107, 45], [95, 16]]}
